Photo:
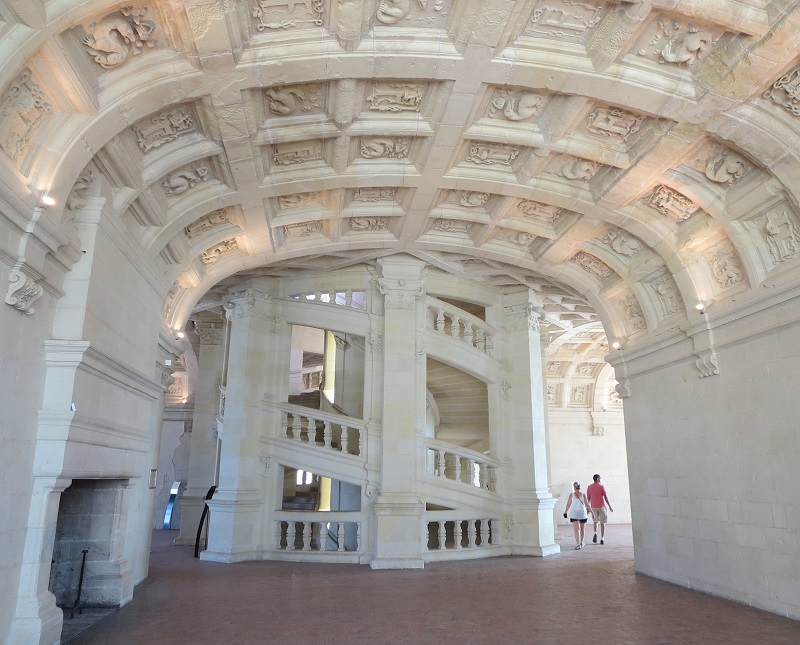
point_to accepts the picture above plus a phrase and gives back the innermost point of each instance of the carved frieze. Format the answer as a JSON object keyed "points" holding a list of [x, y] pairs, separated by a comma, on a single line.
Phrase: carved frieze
{"points": [[368, 223], [77, 196], [395, 97], [632, 310], [726, 167], [385, 147], [613, 123], [469, 198], [451, 226], [277, 15], [163, 128], [489, 154], [291, 99], [216, 252], [515, 105], [593, 266], [374, 194], [540, 212], [667, 295], [22, 292], [782, 237], [725, 264], [298, 200], [207, 222], [23, 109], [786, 92], [181, 180], [671, 203], [304, 229], [564, 18], [677, 43], [287, 154], [119, 36], [622, 243]]}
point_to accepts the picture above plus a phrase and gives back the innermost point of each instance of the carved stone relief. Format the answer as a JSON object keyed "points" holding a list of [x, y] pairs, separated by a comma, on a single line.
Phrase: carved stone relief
{"points": [[469, 199], [614, 400], [632, 310], [209, 333], [451, 226], [391, 12], [284, 14], [207, 222], [287, 154], [585, 369], [725, 264], [289, 99], [521, 318], [216, 252], [554, 367], [77, 196], [551, 394], [374, 194], [579, 395], [726, 167], [622, 243], [578, 169], [385, 147], [163, 128], [520, 238], [400, 294], [671, 203], [677, 43], [368, 223], [170, 300], [786, 92], [592, 265], [395, 97], [782, 237], [22, 292], [298, 200], [667, 294], [24, 109], [540, 212], [181, 180], [489, 154], [613, 123], [302, 230], [119, 36], [515, 105], [564, 18]]}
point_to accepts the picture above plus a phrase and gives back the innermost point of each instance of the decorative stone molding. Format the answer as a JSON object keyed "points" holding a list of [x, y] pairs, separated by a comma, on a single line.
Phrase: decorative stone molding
{"points": [[400, 294], [667, 294], [451, 226], [592, 265], [77, 197], [786, 92], [678, 43], [215, 253], [119, 36], [707, 363], [520, 238], [385, 147], [22, 291], [671, 203], [579, 169], [515, 106], [598, 431], [209, 333], [613, 123], [288, 14], [623, 388], [249, 303], [163, 128], [540, 212], [554, 367], [579, 395], [298, 200], [395, 97], [632, 310], [726, 167], [564, 19], [782, 237], [287, 154], [585, 369], [551, 394], [622, 243], [391, 12], [469, 199], [207, 222], [521, 317], [181, 180], [289, 99], [303, 229], [374, 194], [490, 154], [614, 400], [23, 108], [368, 223], [725, 265]]}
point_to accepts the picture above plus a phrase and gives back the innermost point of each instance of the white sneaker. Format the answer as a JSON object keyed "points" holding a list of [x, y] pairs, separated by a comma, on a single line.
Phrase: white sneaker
{"points": [[579, 547]]}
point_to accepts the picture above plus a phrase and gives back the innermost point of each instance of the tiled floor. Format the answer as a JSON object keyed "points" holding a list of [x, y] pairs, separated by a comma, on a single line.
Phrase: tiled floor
{"points": [[588, 596]]}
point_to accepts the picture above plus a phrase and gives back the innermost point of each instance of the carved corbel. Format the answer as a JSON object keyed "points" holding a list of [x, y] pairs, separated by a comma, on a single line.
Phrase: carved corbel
{"points": [[22, 291], [623, 388], [707, 363]]}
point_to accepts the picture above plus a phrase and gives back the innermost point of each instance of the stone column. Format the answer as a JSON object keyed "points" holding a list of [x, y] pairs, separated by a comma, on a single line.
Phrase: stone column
{"points": [[525, 437], [203, 444], [258, 362], [399, 506]]}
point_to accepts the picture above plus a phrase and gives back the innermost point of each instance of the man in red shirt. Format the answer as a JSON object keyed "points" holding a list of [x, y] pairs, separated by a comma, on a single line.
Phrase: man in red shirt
{"points": [[597, 500]]}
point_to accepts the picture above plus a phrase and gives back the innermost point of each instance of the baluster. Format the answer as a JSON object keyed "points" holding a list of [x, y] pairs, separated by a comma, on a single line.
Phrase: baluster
{"points": [[303, 428], [480, 339], [318, 296], [287, 424], [457, 534], [484, 476], [440, 320], [484, 532], [332, 297], [441, 464], [471, 533], [348, 298], [489, 345], [442, 535], [455, 326], [307, 536], [340, 535], [291, 533], [457, 461], [326, 434], [358, 536], [495, 536], [492, 478], [322, 537], [471, 475], [278, 532], [468, 333], [343, 441]]}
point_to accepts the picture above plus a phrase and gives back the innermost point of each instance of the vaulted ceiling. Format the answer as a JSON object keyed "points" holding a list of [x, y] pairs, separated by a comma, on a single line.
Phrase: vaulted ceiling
{"points": [[626, 160]]}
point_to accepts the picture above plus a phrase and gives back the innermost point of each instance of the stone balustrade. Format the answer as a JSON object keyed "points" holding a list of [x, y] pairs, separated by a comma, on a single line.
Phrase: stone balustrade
{"points": [[461, 465], [318, 531], [441, 533], [324, 429], [447, 319], [350, 298]]}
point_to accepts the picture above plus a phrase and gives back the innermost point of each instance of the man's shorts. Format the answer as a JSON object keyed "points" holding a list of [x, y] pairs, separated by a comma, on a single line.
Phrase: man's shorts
{"points": [[600, 515]]}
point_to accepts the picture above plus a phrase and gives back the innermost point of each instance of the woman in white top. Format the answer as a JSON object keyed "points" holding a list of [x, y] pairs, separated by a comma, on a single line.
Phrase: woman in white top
{"points": [[578, 512]]}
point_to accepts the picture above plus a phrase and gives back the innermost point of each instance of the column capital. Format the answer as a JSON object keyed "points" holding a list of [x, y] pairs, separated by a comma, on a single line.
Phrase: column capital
{"points": [[400, 294], [209, 333], [523, 316], [247, 303]]}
